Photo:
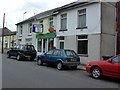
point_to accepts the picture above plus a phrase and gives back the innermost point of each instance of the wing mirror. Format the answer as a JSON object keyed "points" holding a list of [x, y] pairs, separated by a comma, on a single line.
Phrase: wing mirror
{"points": [[110, 61], [45, 54]]}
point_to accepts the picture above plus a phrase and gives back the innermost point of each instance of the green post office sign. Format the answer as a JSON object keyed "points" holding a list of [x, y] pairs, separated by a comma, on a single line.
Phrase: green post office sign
{"points": [[46, 35]]}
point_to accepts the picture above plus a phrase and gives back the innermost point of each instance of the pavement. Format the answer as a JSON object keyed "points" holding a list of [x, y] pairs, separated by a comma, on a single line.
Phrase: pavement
{"points": [[82, 67]]}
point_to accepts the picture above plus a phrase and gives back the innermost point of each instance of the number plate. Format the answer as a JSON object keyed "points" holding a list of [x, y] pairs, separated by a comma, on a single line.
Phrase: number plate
{"points": [[73, 60], [28, 56]]}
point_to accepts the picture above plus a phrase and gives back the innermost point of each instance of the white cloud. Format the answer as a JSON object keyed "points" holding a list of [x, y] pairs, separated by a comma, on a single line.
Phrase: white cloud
{"points": [[14, 9]]}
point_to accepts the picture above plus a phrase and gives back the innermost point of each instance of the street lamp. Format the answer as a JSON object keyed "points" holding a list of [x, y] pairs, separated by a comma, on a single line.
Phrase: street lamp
{"points": [[24, 14]]}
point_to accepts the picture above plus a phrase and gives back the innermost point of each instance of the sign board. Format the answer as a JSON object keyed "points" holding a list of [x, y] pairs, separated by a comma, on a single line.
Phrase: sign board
{"points": [[37, 28]]}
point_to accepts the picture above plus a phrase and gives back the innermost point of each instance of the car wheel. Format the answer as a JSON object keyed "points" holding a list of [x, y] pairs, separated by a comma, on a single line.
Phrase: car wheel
{"points": [[8, 55], [74, 67], [96, 73], [59, 66], [39, 62], [18, 57]]}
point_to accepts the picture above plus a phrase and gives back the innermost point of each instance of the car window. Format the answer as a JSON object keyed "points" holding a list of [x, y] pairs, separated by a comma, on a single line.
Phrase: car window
{"points": [[70, 53], [116, 59], [57, 53], [30, 47], [50, 52]]}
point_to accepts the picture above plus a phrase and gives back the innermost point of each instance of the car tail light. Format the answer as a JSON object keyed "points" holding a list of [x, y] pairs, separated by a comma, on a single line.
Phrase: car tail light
{"points": [[66, 59]]}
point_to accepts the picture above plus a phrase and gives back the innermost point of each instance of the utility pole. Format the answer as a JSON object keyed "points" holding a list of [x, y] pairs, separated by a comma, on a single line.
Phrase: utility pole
{"points": [[3, 34]]}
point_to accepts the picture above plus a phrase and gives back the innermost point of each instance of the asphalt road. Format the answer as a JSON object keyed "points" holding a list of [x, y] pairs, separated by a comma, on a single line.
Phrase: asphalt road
{"points": [[27, 74]]}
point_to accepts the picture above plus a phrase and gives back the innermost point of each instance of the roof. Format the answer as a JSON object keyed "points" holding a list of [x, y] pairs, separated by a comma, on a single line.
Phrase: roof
{"points": [[13, 33], [7, 32], [55, 11]]}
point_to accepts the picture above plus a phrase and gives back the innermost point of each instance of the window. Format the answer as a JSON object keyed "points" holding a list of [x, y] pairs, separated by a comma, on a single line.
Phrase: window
{"points": [[51, 23], [70, 53], [21, 29], [50, 43], [41, 23], [50, 52], [82, 18], [57, 53], [39, 45], [116, 59], [61, 42], [82, 44], [64, 21], [30, 28]]}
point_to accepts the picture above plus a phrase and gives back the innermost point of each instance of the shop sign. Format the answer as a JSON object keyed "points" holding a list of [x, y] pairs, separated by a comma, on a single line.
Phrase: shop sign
{"points": [[47, 35], [37, 28]]}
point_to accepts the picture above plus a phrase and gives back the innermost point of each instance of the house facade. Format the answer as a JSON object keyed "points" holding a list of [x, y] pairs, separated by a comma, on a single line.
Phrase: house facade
{"points": [[86, 27], [7, 39]]}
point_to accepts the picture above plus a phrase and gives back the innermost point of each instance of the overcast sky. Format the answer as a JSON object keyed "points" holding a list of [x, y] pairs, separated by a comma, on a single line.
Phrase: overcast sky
{"points": [[15, 9]]}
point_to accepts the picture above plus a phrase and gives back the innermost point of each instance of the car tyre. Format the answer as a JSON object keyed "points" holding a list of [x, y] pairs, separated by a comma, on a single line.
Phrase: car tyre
{"points": [[59, 66], [8, 55], [96, 73], [18, 57], [39, 62]]}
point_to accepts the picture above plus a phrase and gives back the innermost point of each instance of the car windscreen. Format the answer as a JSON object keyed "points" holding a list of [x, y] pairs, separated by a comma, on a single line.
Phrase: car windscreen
{"points": [[70, 53], [26, 47]]}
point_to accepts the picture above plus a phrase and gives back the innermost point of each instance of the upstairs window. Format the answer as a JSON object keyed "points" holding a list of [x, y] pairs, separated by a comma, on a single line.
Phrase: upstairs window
{"points": [[21, 29], [30, 28], [81, 18], [51, 23], [63, 21]]}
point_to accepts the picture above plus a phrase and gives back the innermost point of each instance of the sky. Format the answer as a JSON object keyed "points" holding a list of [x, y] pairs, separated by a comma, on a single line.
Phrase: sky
{"points": [[19, 10]]}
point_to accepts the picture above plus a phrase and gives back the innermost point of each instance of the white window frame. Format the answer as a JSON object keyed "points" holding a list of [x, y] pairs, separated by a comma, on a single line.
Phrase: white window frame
{"points": [[81, 14], [62, 18], [51, 21]]}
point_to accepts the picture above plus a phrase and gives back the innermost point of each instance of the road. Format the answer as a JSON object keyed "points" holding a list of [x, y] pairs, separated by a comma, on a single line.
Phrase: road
{"points": [[27, 74]]}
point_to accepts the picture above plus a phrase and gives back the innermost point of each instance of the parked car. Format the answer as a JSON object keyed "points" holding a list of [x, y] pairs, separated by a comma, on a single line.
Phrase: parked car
{"points": [[110, 67], [22, 52], [60, 58]]}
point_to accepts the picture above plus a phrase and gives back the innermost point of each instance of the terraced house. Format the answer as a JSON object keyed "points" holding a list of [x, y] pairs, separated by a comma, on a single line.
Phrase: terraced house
{"points": [[86, 27]]}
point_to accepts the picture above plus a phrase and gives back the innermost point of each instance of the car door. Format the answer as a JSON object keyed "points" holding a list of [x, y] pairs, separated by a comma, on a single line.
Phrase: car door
{"points": [[47, 56], [13, 51], [57, 55], [112, 67]]}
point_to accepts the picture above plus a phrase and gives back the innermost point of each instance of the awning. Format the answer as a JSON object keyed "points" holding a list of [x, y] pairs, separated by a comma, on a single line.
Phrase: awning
{"points": [[46, 35]]}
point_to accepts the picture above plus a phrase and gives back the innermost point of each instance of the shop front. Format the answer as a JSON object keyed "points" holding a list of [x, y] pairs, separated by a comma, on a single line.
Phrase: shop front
{"points": [[45, 41]]}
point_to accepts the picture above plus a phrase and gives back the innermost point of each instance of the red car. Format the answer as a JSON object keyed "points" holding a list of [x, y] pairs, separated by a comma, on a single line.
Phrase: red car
{"points": [[110, 67]]}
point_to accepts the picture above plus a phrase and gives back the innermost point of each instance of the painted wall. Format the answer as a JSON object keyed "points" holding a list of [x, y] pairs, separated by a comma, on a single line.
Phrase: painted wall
{"points": [[108, 29], [92, 21]]}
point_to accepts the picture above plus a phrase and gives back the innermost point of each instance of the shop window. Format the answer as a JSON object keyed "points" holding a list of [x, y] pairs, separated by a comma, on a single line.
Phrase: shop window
{"points": [[82, 46], [39, 47], [61, 42], [50, 43]]}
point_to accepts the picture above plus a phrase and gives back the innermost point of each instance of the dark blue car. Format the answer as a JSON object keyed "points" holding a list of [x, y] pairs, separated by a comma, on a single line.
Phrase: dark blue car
{"points": [[60, 58]]}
